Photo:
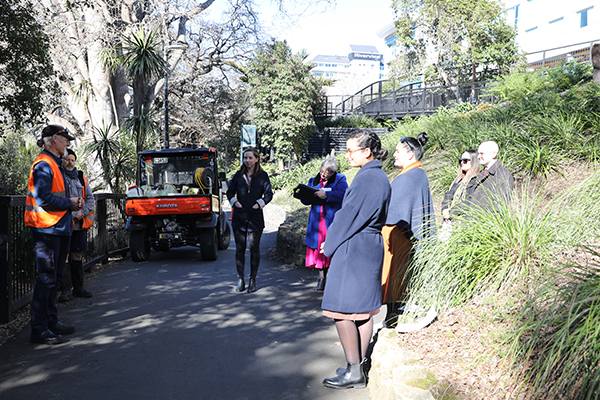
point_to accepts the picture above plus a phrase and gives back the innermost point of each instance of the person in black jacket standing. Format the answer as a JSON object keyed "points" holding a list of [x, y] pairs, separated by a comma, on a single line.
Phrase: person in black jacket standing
{"points": [[249, 191]]}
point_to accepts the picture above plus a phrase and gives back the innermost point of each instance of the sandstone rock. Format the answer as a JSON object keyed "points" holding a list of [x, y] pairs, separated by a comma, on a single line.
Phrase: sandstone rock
{"points": [[396, 373]]}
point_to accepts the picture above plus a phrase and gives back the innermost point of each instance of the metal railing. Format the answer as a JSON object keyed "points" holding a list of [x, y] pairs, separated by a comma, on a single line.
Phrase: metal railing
{"points": [[381, 99], [106, 238], [551, 57]]}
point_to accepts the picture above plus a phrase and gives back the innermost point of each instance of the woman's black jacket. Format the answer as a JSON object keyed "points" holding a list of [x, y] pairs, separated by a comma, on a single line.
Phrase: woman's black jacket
{"points": [[260, 192]]}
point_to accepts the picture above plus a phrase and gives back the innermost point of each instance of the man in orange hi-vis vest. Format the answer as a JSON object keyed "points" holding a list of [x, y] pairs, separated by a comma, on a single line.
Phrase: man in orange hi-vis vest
{"points": [[82, 222], [46, 212]]}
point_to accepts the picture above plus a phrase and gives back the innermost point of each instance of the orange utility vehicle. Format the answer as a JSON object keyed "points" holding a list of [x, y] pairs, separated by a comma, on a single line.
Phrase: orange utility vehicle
{"points": [[177, 202]]}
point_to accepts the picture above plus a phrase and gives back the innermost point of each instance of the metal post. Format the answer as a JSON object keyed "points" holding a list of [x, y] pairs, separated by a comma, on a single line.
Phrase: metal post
{"points": [[544, 59], [166, 103], [5, 263], [101, 217], [394, 90]]}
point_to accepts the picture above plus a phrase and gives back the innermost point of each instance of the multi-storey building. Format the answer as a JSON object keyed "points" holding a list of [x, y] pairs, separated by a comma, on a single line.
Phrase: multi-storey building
{"points": [[362, 66], [543, 25]]}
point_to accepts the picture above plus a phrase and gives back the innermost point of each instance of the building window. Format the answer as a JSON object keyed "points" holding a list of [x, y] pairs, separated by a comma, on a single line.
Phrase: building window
{"points": [[531, 30], [556, 20], [584, 17], [513, 11]]}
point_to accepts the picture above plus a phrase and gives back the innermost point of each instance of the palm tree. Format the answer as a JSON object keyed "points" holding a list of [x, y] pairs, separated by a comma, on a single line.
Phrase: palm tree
{"points": [[142, 60]]}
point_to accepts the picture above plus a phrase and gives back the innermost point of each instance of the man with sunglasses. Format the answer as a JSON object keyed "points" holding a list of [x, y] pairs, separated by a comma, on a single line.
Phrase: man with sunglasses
{"points": [[494, 183], [46, 212]]}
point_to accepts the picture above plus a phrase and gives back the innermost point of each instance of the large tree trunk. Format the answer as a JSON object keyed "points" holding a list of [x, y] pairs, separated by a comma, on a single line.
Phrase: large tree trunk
{"points": [[596, 62]]}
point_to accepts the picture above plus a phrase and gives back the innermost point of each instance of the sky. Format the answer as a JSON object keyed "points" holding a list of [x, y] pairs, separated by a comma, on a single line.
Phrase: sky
{"points": [[330, 30]]}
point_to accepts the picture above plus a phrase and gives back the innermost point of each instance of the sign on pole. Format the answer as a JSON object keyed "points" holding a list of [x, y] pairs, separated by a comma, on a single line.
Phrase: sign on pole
{"points": [[248, 138]]}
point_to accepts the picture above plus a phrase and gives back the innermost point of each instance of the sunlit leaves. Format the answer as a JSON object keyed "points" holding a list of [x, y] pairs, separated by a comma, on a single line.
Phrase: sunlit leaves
{"points": [[285, 97]]}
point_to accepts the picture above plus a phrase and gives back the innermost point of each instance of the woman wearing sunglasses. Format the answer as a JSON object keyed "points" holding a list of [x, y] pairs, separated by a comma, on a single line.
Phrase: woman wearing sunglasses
{"points": [[468, 168], [410, 219]]}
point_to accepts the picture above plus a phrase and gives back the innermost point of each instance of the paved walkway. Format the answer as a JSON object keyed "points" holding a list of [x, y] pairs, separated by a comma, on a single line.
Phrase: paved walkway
{"points": [[174, 328]]}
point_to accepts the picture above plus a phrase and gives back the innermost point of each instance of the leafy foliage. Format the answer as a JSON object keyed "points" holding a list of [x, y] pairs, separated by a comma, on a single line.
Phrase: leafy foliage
{"points": [[142, 60], [285, 98], [571, 73], [517, 86], [26, 68], [115, 152], [302, 173], [16, 157], [468, 40]]}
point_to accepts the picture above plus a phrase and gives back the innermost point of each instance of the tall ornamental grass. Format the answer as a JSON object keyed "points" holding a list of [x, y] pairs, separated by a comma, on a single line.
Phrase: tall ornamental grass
{"points": [[557, 335], [579, 206], [484, 249]]}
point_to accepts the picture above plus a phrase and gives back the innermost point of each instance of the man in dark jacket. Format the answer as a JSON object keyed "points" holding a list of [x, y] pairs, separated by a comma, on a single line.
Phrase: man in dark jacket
{"points": [[47, 213], [494, 184]]}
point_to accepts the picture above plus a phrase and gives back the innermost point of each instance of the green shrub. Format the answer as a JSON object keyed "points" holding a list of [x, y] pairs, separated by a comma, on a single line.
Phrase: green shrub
{"points": [[571, 73], [16, 157], [302, 173], [457, 109], [517, 86], [535, 158]]}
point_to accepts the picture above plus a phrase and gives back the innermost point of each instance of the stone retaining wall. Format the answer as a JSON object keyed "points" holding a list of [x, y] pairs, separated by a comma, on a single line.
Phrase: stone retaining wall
{"points": [[290, 246]]}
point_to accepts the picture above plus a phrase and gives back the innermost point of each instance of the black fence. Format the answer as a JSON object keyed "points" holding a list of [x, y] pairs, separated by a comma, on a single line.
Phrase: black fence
{"points": [[382, 99], [106, 238]]}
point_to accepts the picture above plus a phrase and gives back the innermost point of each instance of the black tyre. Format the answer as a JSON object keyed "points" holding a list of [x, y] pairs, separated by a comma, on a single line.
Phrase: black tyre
{"points": [[208, 244], [139, 245], [225, 237]]}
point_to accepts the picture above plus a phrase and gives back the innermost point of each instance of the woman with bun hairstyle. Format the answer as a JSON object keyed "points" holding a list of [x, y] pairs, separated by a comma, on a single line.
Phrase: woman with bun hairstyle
{"points": [[353, 288], [468, 168], [410, 218]]}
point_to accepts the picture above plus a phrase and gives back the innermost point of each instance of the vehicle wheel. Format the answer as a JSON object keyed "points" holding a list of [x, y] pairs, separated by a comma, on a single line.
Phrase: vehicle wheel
{"points": [[225, 238], [208, 244], [139, 245]]}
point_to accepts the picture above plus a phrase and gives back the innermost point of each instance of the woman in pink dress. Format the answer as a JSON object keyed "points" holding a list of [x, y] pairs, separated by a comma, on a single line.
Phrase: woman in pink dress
{"points": [[328, 200]]}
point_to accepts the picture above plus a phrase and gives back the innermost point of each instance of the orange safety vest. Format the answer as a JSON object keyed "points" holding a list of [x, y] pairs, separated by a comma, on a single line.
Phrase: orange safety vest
{"points": [[88, 220], [35, 215]]}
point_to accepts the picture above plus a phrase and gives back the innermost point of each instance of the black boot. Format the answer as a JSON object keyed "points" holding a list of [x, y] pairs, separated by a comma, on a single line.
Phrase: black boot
{"points": [[320, 285], [252, 285], [241, 286], [352, 377]]}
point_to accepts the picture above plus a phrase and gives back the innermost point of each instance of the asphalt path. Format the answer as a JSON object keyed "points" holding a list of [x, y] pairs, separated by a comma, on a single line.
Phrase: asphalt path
{"points": [[174, 328]]}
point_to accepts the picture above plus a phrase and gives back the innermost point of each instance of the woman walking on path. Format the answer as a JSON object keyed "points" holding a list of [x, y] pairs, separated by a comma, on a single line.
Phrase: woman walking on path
{"points": [[410, 218], [249, 191], [332, 187], [468, 168], [353, 290]]}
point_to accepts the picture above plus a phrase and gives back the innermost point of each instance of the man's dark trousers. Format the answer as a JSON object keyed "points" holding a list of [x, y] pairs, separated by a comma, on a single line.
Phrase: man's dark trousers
{"points": [[50, 255]]}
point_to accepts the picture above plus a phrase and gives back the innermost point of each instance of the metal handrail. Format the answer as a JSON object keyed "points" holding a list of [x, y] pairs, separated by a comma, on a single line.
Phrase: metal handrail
{"points": [[359, 101]]}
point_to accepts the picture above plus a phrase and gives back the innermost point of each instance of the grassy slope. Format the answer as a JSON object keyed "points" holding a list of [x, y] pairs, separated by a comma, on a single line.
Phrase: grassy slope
{"points": [[518, 293]]}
